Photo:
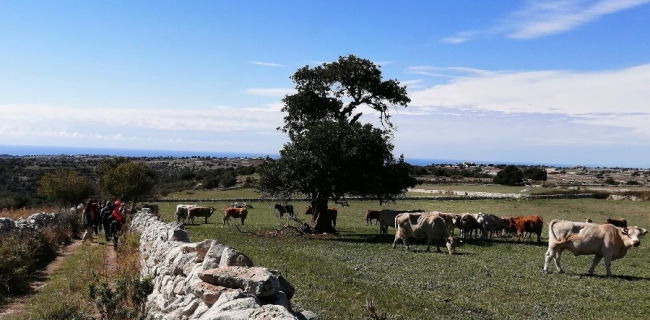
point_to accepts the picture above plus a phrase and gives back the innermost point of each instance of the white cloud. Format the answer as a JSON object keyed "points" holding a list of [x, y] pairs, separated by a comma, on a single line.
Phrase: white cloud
{"points": [[539, 18], [542, 18], [612, 98], [270, 92], [268, 64]]}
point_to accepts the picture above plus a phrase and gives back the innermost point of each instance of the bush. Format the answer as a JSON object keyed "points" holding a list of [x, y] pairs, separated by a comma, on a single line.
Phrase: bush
{"points": [[24, 253], [510, 176]]}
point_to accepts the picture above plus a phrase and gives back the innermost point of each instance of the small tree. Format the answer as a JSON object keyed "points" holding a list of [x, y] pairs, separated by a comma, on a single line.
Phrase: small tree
{"points": [[65, 187], [129, 181], [510, 176], [537, 174]]}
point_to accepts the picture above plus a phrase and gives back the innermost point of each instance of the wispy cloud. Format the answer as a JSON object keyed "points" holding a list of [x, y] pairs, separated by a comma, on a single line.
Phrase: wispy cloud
{"points": [[539, 18], [268, 64], [270, 92]]}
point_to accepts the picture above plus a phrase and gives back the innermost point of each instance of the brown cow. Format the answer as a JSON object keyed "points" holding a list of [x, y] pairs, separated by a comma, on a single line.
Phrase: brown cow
{"points": [[200, 212], [332, 213], [232, 212], [621, 223], [589, 220], [467, 224], [533, 224], [372, 215], [581, 238]]}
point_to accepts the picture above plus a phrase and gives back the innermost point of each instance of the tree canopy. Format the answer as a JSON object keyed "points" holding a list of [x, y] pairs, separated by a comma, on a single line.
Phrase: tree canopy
{"points": [[331, 154], [510, 176], [65, 187], [129, 181]]}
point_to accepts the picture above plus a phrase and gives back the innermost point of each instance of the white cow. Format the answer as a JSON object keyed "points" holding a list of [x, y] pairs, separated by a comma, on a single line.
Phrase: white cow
{"points": [[182, 212], [490, 223], [387, 218], [583, 238], [423, 225]]}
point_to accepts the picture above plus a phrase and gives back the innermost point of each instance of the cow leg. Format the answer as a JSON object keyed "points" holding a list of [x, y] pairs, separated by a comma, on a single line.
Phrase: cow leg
{"points": [[557, 257], [597, 259], [608, 265], [395, 242], [547, 258]]}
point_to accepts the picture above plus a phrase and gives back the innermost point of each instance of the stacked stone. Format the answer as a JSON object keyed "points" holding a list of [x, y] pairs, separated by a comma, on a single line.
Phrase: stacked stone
{"points": [[208, 279], [33, 222]]}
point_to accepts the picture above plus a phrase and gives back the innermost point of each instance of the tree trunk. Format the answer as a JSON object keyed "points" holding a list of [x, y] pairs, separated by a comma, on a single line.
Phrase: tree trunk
{"points": [[321, 221]]}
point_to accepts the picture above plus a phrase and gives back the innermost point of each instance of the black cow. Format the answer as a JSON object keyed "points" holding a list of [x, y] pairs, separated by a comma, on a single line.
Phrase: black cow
{"points": [[286, 208]]}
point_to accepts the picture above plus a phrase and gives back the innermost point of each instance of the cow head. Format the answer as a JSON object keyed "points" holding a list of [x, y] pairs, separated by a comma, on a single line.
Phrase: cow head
{"points": [[635, 234], [451, 245]]}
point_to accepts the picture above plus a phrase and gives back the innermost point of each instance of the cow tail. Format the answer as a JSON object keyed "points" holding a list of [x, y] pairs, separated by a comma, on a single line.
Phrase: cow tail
{"points": [[550, 227]]}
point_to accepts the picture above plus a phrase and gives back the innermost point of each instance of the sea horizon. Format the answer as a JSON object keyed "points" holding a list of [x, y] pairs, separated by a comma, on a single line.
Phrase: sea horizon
{"points": [[29, 150]]}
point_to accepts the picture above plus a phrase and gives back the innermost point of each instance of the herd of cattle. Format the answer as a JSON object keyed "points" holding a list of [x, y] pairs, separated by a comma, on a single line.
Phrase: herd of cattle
{"points": [[608, 241]]}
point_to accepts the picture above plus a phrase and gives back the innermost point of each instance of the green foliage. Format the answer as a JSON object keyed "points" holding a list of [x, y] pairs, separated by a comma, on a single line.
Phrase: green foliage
{"points": [[23, 253], [537, 174], [129, 181], [510, 176], [124, 299], [330, 153], [65, 187]]}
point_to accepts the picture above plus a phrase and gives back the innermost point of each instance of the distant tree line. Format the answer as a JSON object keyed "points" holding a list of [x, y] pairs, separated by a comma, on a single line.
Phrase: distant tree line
{"points": [[37, 181]]}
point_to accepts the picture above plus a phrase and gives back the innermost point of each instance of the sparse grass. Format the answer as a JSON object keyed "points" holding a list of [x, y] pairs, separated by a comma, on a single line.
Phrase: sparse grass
{"points": [[335, 275], [214, 194]]}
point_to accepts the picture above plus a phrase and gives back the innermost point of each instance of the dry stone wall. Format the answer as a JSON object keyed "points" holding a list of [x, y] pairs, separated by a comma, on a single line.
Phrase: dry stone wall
{"points": [[207, 280]]}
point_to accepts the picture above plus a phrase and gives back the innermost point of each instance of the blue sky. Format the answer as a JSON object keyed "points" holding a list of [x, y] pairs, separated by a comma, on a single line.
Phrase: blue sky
{"points": [[554, 81]]}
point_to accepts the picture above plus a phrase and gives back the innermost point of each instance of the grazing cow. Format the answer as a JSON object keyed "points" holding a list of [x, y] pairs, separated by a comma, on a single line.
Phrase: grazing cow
{"points": [[621, 223], [285, 208], [332, 213], [232, 212], [467, 224], [428, 225], [581, 238], [533, 224], [372, 215], [182, 212], [200, 212], [490, 224], [449, 220], [387, 218]]}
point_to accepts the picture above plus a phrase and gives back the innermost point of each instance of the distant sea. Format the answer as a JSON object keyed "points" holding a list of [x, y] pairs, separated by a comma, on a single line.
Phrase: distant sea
{"points": [[19, 150]]}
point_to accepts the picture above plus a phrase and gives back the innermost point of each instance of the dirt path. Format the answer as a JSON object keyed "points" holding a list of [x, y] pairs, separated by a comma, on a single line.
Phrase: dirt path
{"points": [[17, 303]]}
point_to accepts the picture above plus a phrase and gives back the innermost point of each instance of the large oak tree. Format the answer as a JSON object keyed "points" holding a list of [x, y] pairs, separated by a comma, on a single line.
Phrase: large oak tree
{"points": [[332, 154]]}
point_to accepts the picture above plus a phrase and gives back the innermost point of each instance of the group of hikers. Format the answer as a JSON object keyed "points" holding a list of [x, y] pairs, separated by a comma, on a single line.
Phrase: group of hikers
{"points": [[107, 215]]}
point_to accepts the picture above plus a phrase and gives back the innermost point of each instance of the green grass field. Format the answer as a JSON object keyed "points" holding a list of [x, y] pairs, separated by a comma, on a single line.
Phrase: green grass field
{"points": [[503, 279]]}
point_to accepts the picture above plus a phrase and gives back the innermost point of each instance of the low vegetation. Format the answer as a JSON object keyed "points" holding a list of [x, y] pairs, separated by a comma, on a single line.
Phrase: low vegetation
{"points": [[24, 254], [335, 275], [91, 283]]}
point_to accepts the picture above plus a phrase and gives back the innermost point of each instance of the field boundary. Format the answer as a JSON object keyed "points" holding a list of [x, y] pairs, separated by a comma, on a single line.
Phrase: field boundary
{"points": [[440, 198]]}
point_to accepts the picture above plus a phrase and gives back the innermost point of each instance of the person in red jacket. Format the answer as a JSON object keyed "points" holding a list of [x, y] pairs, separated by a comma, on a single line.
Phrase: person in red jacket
{"points": [[117, 212]]}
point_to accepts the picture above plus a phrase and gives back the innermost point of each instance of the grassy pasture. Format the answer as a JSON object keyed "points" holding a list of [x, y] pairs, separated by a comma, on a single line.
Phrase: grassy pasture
{"points": [[334, 275]]}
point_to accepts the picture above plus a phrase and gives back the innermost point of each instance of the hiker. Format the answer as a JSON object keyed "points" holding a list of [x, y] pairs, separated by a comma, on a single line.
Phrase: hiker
{"points": [[88, 219], [106, 214]]}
